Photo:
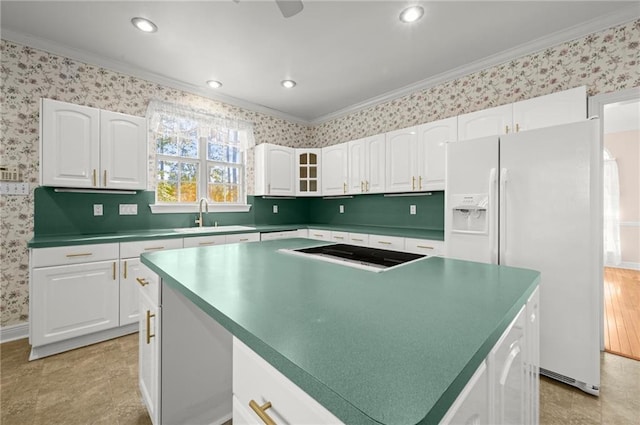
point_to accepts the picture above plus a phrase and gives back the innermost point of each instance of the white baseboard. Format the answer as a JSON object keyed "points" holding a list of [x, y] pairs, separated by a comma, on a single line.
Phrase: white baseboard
{"points": [[13, 332], [625, 265]]}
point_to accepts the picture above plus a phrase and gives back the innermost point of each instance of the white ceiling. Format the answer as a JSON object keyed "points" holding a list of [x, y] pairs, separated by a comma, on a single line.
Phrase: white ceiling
{"points": [[343, 54]]}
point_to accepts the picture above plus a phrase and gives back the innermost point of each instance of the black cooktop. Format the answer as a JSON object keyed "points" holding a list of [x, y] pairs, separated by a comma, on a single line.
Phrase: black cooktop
{"points": [[362, 254]]}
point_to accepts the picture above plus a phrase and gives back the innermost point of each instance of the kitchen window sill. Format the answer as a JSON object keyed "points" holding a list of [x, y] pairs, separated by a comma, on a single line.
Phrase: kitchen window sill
{"points": [[193, 208]]}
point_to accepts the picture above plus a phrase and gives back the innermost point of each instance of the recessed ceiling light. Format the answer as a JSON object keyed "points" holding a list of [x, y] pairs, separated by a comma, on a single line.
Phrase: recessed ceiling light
{"points": [[144, 25], [411, 14], [288, 84], [214, 84]]}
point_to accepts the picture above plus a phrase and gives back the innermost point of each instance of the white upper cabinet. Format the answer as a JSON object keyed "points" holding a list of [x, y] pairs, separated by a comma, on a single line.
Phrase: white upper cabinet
{"points": [[544, 111], [335, 168], [69, 144], [308, 172], [274, 170], [367, 159], [401, 160], [487, 122], [86, 147], [431, 152], [123, 151]]}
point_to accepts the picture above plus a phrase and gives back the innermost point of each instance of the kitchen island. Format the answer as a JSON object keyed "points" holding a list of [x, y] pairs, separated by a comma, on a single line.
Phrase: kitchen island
{"points": [[397, 346]]}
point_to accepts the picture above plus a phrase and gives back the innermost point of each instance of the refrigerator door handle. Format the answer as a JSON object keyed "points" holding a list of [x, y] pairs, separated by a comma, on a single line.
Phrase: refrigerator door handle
{"points": [[504, 177], [492, 217]]}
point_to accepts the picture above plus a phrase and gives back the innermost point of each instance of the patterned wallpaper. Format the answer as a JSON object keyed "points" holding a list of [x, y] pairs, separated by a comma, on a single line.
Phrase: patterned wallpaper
{"points": [[605, 61]]}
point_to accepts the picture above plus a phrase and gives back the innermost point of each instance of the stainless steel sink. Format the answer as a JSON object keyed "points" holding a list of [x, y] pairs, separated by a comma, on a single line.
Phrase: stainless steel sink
{"points": [[213, 229]]}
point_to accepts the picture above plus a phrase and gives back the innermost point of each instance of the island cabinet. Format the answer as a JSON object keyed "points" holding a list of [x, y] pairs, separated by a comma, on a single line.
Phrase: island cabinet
{"points": [[86, 147], [543, 111], [274, 170]]}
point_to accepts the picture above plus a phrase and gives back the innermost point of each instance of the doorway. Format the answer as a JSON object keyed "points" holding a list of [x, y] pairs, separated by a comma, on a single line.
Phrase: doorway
{"points": [[620, 310]]}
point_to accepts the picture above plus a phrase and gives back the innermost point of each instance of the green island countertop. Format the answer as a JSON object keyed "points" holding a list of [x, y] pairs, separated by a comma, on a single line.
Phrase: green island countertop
{"points": [[394, 347], [149, 234]]}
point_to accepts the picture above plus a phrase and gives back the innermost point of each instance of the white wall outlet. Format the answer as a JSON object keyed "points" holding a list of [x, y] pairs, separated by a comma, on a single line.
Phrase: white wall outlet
{"points": [[97, 209], [14, 188], [341, 209], [412, 209], [128, 209], [275, 209]]}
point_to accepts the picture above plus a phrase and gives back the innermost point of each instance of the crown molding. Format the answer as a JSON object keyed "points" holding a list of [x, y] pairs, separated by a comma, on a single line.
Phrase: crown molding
{"points": [[121, 67], [604, 22]]}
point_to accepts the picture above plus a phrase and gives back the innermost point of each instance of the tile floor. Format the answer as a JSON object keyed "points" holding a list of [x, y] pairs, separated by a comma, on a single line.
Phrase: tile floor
{"points": [[98, 385]]}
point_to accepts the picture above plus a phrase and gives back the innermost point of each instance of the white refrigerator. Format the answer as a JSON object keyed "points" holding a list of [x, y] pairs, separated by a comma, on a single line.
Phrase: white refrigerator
{"points": [[534, 200]]}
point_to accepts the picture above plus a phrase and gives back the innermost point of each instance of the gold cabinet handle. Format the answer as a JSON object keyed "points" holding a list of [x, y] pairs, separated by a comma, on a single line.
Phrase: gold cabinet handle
{"points": [[105, 178], [260, 411], [384, 242], [206, 243], [125, 270], [269, 188], [344, 187], [413, 183], [154, 248], [425, 247], [506, 129], [316, 234], [114, 270], [149, 334], [361, 186], [358, 240], [142, 281], [95, 177], [420, 183], [366, 186], [338, 237], [244, 239], [517, 127], [84, 254]]}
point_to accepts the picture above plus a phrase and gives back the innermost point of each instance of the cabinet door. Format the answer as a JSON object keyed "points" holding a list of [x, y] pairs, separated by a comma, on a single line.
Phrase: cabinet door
{"points": [[123, 151], [488, 122], [69, 144], [74, 300], [472, 405], [532, 332], [242, 237], [280, 176], [432, 140], [508, 374], [357, 165], [554, 109], [199, 241], [401, 160], [335, 169], [375, 163], [149, 356], [129, 289], [308, 172]]}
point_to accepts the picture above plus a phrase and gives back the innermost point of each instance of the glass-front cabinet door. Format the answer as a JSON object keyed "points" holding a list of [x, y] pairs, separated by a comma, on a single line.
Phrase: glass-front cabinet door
{"points": [[308, 172]]}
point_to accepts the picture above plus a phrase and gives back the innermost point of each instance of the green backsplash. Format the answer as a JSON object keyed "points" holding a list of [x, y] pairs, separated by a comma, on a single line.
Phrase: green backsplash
{"points": [[380, 210], [59, 213]]}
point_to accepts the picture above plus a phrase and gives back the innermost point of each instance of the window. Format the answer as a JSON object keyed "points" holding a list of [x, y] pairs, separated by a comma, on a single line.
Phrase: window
{"points": [[198, 156]]}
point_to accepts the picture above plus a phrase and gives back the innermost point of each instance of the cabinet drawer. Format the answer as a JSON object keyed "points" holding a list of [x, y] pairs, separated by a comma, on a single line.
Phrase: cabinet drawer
{"points": [[278, 235], [393, 243], [242, 237], [255, 379], [423, 246], [204, 241], [134, 249], [340, 237], [360, 239], [323, 235], [61, 255]]}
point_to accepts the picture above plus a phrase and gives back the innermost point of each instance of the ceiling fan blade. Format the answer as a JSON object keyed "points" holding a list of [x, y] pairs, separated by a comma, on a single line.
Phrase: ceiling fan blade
{"points": [[290, 7]]}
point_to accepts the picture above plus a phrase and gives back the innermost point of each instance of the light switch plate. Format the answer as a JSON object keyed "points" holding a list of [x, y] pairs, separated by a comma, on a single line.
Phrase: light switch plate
{"points": [[97, 209], [341, 209], [14, 188], [275, 209], [412, 209], [128, 209]]}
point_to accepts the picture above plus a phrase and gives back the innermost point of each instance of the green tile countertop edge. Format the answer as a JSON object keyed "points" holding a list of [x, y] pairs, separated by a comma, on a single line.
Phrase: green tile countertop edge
{"points": [[373, 348], [138, 235]]}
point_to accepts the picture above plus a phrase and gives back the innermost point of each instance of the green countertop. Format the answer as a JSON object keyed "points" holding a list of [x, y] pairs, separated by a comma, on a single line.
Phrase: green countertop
{"points": [[137, 235], [395, 347]]}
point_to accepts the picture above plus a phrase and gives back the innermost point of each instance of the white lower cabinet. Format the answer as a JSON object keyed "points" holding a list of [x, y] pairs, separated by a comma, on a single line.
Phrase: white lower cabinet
{"points": [[358, 239], [210, 240], [423, 246], [322, 235], [472, 405], [149, 354], [393, 243], [242, 237], [278, 235], [340, 237], [130, 268], [258, 386]]}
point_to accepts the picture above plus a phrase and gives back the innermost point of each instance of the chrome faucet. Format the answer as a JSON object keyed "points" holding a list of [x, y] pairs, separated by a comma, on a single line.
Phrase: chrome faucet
{"points": [[199, 221]]}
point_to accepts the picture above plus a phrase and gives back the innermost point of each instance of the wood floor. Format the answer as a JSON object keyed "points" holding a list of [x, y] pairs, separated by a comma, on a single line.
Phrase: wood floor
{"points": [[622, 312]]}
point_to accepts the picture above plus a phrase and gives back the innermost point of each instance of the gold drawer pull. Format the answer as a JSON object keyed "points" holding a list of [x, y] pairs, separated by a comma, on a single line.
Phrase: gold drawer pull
{"points": [[206, 243], [244, 239], [142, 281], [154, 248], [149, 334], [424, 246], [358, 240], [94, 177], [420, 183], [318, 235], [105, 178], [384, 242], [125, 269], [114, 270], [84, 254], [260, 411], [413, 183], [338, 237]]}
